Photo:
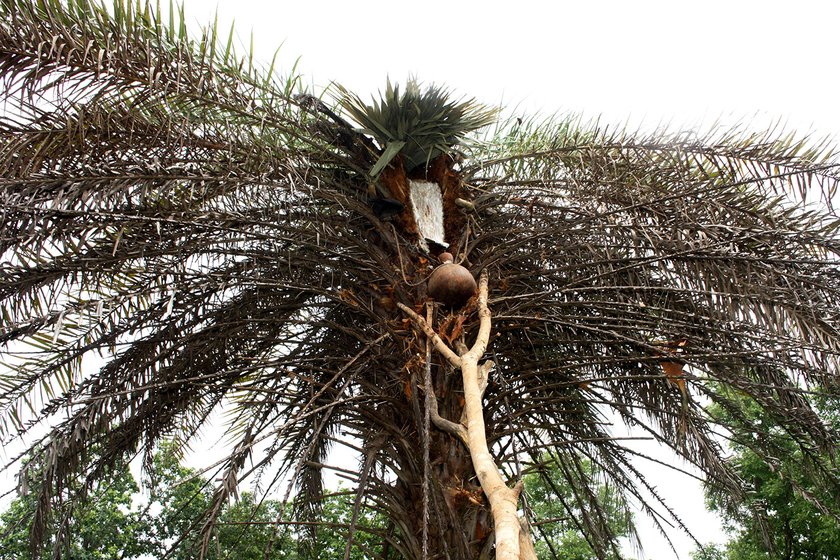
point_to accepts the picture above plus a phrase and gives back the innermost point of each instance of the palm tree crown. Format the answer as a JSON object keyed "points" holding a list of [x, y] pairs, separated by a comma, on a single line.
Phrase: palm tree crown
{"points": [[419, 124], [183, 234]]}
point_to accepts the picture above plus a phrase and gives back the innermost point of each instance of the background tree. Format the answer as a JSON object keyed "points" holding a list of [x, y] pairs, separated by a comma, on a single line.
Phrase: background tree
{"points": [[222, 242], [118, 522], [113, 521], [709, 552], [560, 528], [104, 526], [784, 514]]}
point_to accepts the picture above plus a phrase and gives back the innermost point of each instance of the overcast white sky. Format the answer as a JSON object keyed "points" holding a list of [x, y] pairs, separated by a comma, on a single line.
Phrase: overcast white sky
{"points": [[689, 64], [684, 63]]}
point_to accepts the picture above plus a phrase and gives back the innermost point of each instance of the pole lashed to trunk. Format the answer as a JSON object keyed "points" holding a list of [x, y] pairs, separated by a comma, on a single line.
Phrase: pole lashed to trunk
{"points": [[502, 498]]}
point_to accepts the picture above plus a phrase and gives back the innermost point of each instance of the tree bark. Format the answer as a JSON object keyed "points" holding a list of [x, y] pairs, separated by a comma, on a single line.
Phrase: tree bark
{"points": [[503, 499]]}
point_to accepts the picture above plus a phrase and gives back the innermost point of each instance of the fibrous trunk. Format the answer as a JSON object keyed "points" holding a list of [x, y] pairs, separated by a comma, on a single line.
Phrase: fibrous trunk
{"points": [[503, 500]]}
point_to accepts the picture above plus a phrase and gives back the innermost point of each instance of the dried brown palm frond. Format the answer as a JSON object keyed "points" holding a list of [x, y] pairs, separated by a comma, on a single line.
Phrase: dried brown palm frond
{"points": [[181, 234]]}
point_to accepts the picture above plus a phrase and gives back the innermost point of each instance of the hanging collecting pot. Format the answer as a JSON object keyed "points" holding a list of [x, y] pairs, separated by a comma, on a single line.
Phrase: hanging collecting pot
{"points": [[450, 283]]}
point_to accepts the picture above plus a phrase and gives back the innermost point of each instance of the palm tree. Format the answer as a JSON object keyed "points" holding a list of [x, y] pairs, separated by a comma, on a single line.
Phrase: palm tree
{"points": [[183, 232]]}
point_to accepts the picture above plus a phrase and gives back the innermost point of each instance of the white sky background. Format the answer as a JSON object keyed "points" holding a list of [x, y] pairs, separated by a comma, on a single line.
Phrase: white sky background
{"points": [[645, 63], [681, 62]]}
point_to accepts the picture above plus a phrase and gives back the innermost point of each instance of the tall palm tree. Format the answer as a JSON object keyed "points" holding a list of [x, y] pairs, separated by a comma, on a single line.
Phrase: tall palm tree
{"points": [[184, 232]]}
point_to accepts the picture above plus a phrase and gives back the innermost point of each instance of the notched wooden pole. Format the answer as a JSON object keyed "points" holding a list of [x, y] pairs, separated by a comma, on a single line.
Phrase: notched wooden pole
{"points": [[512, 543]]}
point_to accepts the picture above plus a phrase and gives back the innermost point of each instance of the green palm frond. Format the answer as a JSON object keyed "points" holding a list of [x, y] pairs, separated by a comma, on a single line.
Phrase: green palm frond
{"points": [[419, 123]]}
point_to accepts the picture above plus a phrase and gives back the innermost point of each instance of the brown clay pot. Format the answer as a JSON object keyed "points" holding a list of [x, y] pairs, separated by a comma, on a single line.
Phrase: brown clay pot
{"points": [[450, 283]]}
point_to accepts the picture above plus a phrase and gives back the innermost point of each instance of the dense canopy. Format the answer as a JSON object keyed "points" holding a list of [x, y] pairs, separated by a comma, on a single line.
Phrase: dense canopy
{"points": [[188, 240]]}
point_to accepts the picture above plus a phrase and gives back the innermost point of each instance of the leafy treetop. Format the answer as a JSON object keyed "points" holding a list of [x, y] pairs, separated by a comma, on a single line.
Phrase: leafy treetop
{"points": [[419, 123]]}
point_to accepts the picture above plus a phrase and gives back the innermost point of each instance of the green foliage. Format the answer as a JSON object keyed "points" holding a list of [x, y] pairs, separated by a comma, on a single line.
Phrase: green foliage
{"points": [[179, 496], [331, 536], [14, 529], [709, 552], [559, 507], [791, 508], [110, 523], [246, 530], [419, 123], [103, 526]]}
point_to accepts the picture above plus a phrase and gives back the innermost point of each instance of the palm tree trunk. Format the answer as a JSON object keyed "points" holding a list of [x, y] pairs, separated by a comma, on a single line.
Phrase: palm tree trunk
{"points": [[503, 499]]}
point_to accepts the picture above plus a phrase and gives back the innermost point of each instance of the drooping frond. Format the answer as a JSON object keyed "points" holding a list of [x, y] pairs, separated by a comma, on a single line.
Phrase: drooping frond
{"points": [[643, 274], [183, 234]]}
